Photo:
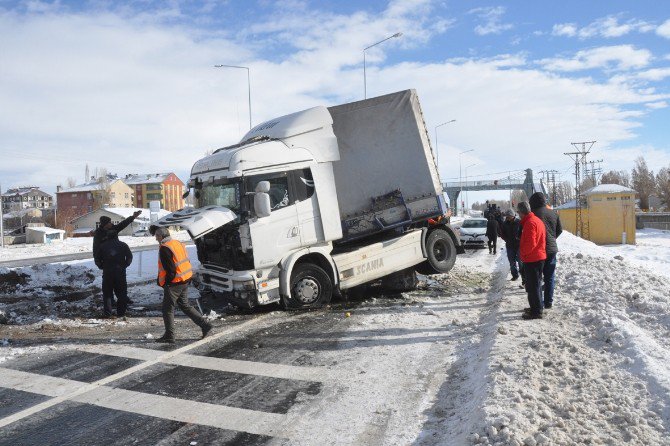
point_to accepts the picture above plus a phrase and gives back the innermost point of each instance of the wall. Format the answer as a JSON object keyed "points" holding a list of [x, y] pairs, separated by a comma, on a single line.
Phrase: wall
{"points": [[90, 221], [610, 215], [120, 195]]}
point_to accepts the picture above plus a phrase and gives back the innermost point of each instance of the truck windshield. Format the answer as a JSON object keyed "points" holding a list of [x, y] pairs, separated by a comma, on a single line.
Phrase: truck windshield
{"points": [[220, 193]]}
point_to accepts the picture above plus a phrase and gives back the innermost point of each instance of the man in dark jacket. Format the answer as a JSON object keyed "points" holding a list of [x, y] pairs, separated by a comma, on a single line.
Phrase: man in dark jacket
{"points": [[552, 223], [510, 231], [492, 233], [100, 234], [105, 226], [113, 259]]}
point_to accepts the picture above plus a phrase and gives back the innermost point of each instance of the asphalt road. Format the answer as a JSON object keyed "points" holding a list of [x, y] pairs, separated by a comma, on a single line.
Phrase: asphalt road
{"points": [[232, 388]]}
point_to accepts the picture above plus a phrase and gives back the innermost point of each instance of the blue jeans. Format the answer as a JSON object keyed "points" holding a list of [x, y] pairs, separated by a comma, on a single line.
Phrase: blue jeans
{"points": [[514, 260], [548, 274]]}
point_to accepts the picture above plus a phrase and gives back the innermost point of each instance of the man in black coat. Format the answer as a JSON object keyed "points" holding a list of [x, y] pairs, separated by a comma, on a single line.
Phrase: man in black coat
{"points": [[114, 257], [105, 226], [510, 231], [552, 223], [492, 233]]}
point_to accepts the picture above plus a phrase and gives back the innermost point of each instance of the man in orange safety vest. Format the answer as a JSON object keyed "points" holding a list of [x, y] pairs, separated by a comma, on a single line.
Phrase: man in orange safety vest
{"points": [[174, 276]]}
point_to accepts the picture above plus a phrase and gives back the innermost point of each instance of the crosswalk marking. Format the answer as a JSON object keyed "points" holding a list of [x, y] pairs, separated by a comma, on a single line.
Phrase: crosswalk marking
{"points": [[169, 408], [314, 374], [72, 393]]}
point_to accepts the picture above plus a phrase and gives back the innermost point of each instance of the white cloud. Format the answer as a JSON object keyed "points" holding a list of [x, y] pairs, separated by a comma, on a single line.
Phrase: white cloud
{"points": [[606, 27], [664, 29], [657, 105], [655, 74], [492, 17], [137, 97], [564, 29], [618, 57]]}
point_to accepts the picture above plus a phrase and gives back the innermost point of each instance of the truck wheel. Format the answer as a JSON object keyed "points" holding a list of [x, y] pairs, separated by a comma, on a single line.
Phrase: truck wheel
{"points": [[311, 287], [441, 252]]}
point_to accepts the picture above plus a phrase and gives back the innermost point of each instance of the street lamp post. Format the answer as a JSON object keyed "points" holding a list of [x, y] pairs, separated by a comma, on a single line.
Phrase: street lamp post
{"points": [[365, 82], [460, 177], [248, 84], [466, 180], [437, 149]]}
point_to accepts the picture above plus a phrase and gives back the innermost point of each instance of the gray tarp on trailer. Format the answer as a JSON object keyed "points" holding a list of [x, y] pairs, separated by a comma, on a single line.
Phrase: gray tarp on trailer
{"points": [[384, 147]]}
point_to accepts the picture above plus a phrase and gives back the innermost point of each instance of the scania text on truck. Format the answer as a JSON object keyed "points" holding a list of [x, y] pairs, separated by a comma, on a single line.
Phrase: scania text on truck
{"points": [[317, 202]]}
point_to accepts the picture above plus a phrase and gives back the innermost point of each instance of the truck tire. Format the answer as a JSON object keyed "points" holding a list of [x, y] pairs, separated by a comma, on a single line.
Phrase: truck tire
{"points": [[401, 281], [311, 287], [441, 253]]}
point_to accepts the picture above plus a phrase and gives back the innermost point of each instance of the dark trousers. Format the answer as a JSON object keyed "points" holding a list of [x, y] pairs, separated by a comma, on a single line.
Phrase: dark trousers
{"points": [[492, 243], [114, 282], [548, 272], [176, 295], [533, 273], [515, 265]]}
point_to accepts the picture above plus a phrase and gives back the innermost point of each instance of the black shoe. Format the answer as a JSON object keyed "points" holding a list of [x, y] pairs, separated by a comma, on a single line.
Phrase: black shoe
{"points": [[165, 340], [205, 330], [129, 302], [529, 316], [107, 316], [515, 278], [547, 306]]}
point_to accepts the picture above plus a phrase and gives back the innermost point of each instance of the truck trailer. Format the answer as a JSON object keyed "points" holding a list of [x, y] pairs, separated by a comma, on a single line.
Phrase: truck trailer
{"points": [[313, 203]]}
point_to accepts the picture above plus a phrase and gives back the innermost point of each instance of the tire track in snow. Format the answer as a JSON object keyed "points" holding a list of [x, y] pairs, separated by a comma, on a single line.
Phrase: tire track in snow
{"points": [[460, 401]]}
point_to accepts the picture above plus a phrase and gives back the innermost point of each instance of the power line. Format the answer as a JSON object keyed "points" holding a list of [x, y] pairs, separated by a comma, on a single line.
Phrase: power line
{"points": [[579, 157]]}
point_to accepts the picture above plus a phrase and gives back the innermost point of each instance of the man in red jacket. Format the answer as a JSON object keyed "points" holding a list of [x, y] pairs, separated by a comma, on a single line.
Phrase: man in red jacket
{"points": [[533, 253]]}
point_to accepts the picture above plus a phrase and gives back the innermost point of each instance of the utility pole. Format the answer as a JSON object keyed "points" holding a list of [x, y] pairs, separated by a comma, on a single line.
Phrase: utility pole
{"points": [[579, 157], [594, 172], [550, 181]]}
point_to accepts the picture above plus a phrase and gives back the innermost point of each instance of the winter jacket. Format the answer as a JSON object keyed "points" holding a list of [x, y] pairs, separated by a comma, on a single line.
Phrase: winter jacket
{"points": [[491, 228], [533, 243], [100, 235], [552, 222], [510, 231], [113, 254]]}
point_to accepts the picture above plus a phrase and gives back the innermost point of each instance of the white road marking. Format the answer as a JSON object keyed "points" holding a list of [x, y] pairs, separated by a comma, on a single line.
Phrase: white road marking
{"points": [[315, 374], [169, 408], [70, 393]]}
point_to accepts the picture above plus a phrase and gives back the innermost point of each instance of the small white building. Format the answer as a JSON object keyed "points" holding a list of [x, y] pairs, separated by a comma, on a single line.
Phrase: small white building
{"points": [[43, 234], [89, 222]]}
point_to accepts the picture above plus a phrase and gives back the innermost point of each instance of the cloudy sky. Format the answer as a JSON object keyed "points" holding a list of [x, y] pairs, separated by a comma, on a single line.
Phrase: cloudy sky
{"points": [[131, 86]]}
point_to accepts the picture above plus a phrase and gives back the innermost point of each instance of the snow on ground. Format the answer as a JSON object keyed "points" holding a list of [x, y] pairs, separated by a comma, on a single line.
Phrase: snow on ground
{"points": [[73, 245], [652, 250]]}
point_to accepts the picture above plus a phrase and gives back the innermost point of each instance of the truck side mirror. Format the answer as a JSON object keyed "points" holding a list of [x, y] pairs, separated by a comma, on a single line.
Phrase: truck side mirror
{"points": [[186, 194], [262, 199]]}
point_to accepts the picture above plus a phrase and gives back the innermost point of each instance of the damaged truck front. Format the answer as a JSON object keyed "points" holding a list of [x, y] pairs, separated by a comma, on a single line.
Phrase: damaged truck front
{"points": [[316, 202]]}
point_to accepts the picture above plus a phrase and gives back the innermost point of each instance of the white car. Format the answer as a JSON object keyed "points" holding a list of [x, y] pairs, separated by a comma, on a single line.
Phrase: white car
{"points": [[473, 233]]}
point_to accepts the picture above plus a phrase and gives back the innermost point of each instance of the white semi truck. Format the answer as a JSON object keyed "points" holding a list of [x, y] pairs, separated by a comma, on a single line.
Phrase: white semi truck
{"points": [[317, 202]]}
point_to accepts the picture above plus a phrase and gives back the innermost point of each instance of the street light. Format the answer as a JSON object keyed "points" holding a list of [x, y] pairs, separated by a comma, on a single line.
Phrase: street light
{"points": [[248, 83], [460, 177], [466, 180], [365, 82], [437, 150]]}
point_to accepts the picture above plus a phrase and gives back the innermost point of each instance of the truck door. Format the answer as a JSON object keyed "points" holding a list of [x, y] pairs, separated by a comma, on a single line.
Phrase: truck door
{"points": [[278, 233], [301, 186]]}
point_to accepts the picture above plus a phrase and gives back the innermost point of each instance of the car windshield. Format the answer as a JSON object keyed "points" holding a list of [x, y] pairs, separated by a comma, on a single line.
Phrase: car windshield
{"points": [[474, 224], [220, 193]]}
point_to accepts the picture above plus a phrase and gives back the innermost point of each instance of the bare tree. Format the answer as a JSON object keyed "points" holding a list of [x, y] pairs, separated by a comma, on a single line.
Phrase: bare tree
{"points": [[663, 185], [620, 177], [102, 194], [71, 182], [644, 182]]}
